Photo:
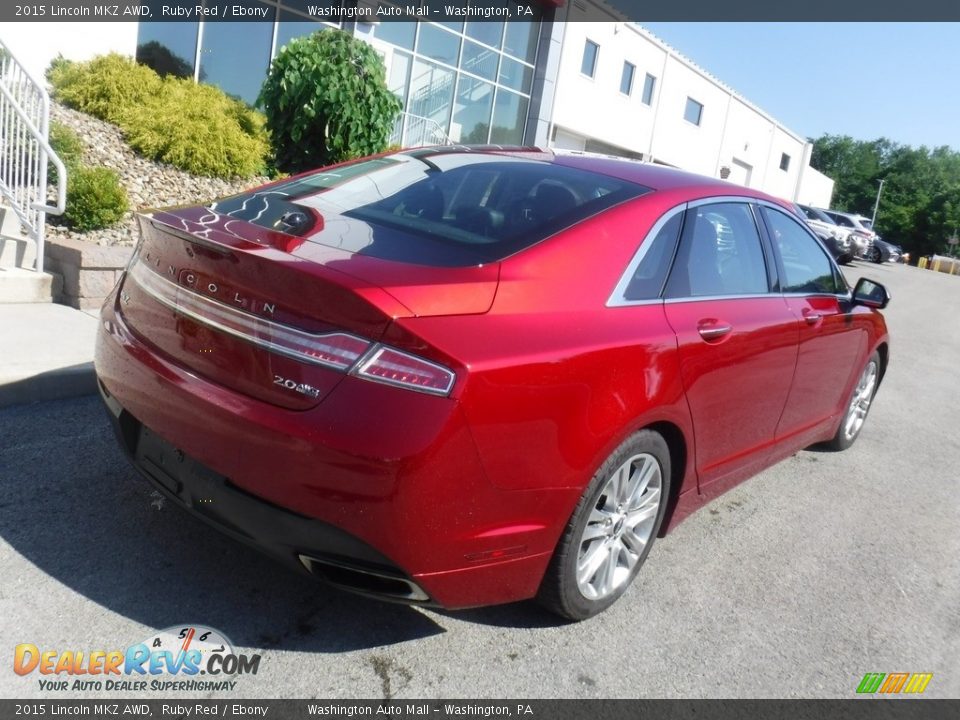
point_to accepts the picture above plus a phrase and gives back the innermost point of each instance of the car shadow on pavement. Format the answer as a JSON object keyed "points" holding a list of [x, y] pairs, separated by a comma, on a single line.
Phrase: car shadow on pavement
{"points": [[71, 504]]}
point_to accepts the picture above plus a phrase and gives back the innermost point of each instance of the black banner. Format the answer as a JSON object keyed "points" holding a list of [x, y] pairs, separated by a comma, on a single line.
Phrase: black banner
{"points": [[859, 709], [377, 11]]}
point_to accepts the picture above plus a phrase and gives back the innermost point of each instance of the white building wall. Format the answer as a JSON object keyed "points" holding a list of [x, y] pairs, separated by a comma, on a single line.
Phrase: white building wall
{"points": [[746, 145], [735, 138], [816, 189], [35, 44], [677, 141], [783, 183], [595, 107]]}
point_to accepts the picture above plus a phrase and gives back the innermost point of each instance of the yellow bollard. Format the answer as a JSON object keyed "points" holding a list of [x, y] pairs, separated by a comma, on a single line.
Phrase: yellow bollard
{"points": [[936, 265], [922, 264]]}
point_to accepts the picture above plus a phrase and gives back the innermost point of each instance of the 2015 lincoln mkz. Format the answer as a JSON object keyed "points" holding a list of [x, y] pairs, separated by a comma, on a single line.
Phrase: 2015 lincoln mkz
{"points": [[460, 377]]}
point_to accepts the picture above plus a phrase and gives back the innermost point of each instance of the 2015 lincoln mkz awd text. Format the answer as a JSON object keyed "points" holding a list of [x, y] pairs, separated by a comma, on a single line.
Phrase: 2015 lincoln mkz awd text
{"points": [[460, 377]]}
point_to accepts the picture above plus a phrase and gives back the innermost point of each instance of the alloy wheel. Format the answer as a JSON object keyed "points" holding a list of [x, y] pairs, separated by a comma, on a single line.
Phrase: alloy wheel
{"points": [[619, 527], [860, 404]]}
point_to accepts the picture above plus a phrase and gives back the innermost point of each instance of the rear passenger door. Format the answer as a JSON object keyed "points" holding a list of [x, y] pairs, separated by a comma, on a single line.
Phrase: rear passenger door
{"points": [[737, 339]]}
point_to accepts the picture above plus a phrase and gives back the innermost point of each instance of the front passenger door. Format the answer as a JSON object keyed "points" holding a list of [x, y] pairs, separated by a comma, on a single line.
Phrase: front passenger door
{"points": [[737, 340], [830, 346]]}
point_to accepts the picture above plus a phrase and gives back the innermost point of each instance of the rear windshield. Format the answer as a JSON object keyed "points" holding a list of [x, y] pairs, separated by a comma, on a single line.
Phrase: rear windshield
{"points": [[437, 209]]}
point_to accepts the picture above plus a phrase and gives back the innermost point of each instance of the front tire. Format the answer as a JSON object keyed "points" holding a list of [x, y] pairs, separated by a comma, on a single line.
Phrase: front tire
{"points": [[611, 531], [858, 406]]}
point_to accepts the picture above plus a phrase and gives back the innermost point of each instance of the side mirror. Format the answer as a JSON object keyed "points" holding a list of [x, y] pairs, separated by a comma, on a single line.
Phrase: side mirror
{"points": [[870, 294]]}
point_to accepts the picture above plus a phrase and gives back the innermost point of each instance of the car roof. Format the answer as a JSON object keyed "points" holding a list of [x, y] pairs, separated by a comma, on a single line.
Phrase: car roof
{"points": [[648, 174], [852, 216]]}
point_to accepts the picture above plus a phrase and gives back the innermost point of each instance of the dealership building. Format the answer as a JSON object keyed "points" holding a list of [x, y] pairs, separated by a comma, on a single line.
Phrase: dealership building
{"points": [[552, 80]]}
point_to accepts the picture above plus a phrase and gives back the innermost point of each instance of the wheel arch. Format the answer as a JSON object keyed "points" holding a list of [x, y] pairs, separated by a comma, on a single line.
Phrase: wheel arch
{"points": [[883, 350], [679, 452]]}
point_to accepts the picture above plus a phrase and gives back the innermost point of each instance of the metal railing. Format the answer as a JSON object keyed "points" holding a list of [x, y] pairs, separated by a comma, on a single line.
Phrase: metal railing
{"points": [[416, 131], [25, 150]]}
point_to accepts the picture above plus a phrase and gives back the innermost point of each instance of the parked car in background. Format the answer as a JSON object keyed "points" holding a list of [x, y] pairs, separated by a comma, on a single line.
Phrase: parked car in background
{"points": [[861, 230], [881, 251], [465, 376], [835, 238]]}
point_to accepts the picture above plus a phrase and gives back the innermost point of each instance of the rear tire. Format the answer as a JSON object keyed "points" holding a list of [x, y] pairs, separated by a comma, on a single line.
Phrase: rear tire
{"points": [[611, 531], [858, 405]]}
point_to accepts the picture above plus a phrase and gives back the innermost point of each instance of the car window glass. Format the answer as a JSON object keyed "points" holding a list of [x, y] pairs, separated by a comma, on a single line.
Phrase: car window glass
{"points": [[720, 254], [806, 267], [437, 208], [647, 281]]}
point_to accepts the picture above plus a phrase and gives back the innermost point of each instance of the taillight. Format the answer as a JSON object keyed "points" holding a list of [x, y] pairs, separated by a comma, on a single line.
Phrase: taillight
{"points": [[394, 367], [336, 350]]}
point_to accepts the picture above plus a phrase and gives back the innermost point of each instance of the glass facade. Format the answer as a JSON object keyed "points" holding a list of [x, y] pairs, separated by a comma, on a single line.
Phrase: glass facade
{"points": [[465, 82], [235, 55], [469, 82], [232, 55]]}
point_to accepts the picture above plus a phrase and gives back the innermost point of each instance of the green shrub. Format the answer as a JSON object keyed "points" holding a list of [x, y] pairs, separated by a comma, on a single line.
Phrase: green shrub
{"points": [[326, 100], [67, 145], [95, 198], [196, 128], [199, 129], [103, 87]]}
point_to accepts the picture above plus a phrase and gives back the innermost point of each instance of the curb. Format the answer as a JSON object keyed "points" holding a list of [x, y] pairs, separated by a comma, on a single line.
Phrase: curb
{"points": [[59, 384]]}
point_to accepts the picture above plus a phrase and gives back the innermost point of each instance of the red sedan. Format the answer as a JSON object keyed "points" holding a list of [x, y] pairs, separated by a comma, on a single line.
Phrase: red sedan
{"points": [[461, 377]]}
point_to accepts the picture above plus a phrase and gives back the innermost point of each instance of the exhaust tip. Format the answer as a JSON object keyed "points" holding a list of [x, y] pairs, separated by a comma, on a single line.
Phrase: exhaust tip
{"points": [[381, 582]]}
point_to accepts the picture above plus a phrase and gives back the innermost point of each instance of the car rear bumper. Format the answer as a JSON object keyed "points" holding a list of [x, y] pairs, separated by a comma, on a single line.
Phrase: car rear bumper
{"points": [[378, 489]]}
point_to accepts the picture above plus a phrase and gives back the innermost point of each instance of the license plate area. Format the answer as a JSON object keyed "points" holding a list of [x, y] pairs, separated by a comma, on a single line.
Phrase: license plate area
{"points": [[195, 485]]}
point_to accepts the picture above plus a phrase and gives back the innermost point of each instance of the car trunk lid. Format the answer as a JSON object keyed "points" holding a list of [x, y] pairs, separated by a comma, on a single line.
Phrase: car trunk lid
{"points": [[267, 314]]}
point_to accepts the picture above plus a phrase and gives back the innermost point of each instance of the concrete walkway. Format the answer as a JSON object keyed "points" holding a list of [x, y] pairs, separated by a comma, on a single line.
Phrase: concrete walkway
{"points": [[46, 352]]}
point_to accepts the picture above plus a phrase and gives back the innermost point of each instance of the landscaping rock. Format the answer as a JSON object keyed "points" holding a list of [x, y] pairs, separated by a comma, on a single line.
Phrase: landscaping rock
{"points": [[149, 184]]}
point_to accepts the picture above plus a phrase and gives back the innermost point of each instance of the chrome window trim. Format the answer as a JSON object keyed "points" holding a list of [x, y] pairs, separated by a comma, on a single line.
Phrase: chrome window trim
{"points": [[617, 297], [714, 298]]}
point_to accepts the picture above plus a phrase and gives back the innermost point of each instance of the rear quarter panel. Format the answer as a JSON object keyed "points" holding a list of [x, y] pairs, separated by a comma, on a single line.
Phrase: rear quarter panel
{"points": [[556, 379]]}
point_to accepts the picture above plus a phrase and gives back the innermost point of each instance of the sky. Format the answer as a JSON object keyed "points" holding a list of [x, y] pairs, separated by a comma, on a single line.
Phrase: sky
{"points": [[867, 80]]}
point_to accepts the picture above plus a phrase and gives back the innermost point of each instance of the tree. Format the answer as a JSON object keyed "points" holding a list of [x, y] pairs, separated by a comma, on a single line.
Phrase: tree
{"points": [[326, 100], [920, 207], [163, 61]]}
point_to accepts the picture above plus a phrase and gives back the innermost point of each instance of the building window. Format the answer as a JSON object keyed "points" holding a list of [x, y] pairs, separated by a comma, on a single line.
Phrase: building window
{"points": [[693, 112], [784, 162], [626, 78], [589, 64], [168, 48], [649, 84], [235, 56]]}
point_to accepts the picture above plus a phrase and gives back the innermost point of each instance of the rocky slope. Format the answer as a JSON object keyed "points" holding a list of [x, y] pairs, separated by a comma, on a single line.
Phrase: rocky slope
{"points": [[148, 184]]}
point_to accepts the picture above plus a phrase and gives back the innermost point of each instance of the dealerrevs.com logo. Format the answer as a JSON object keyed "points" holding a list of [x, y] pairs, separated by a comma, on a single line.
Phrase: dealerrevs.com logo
{"points": [[181, 658]]}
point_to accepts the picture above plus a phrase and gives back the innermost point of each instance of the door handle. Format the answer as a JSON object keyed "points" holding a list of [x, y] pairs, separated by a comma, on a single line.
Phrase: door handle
{"points": [[713, 330], [812, 318]]}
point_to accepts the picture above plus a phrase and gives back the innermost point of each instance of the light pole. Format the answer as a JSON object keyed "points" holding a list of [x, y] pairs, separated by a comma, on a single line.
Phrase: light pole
{"points": [[873, 220]]}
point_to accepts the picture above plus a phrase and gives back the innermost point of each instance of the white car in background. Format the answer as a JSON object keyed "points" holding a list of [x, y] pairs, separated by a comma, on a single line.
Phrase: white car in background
{"points": [[861, 230], [835, 237]]}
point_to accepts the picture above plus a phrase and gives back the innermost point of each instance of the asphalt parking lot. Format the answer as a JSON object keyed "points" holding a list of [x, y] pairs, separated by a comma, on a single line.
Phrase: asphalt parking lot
{"points": [[794, 584]]}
